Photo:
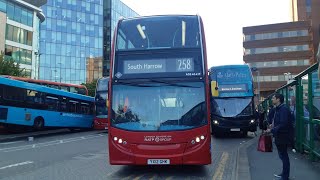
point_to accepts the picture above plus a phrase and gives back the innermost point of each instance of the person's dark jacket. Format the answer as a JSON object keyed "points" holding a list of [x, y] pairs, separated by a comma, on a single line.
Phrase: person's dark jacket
{"points": [[261, 120], [282, 126], [271, 115]]}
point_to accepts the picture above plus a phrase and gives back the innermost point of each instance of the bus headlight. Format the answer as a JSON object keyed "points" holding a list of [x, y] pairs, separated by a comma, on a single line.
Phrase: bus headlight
{"points": [[252, 121], [197, 139], [115, 139], [216, 122]]}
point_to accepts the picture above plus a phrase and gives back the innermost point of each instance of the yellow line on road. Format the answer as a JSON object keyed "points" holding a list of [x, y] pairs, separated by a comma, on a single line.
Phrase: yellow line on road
{"points": [[153, 177], [137, 178], [220, 169], [128, 177]]}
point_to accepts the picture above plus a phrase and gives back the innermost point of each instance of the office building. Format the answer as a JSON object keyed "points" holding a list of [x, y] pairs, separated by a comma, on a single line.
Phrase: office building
{"points": [[308, 10], [277, 52], [75, 33], [19, 33]]}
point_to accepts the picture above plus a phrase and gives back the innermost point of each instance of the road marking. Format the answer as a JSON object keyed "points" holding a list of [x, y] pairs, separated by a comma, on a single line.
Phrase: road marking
{"points": [[153, 177], [137, 178], [128, 177], [15, 165], [220, 169], [10, 142], [50, 143], [109, 174], [169, 178]]}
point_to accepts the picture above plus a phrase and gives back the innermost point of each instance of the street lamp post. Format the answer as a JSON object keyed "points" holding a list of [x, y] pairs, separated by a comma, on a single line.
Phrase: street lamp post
{"points": [[287, 74], [255, 69], [59, 72]]}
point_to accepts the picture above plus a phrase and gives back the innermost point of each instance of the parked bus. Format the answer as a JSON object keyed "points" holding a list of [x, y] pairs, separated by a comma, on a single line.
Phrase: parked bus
{"points": [[159, 109], [74, 88], [27, 104], [101, 112], [232, 99]]}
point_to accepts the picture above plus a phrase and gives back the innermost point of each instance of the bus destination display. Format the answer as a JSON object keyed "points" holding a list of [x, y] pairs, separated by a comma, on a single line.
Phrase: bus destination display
{"points": [[158, 65]]}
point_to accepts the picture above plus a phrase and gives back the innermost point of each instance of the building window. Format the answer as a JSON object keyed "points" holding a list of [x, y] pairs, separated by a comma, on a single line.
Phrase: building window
{"points": [[8, 50], [19, 14], [3, 6], [272, 78], [276, 35], [10, 10], [19, 55], [19, 35], [277, 49], [29, 38], [280, 63]]}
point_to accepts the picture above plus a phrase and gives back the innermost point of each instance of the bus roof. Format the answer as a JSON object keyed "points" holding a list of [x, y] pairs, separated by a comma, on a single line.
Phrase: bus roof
{"points": [[230, 66], [154, 16], [35, 87], [43, 81]]}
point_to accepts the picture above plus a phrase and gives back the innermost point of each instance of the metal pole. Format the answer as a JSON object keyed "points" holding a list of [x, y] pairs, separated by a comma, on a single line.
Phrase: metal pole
{"points": [[59, 72]]}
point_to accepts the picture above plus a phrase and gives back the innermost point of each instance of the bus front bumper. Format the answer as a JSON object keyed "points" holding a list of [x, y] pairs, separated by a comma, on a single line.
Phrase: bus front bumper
{"points": [[243, 126]]}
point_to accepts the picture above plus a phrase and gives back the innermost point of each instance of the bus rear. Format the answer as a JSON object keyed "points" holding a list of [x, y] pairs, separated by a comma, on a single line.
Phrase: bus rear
{"points": [[101, 111], [159, 96], [232, 99]]}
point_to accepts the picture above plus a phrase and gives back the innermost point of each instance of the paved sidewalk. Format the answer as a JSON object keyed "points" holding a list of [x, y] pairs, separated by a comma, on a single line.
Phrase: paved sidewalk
{"points": [[263, 165]]}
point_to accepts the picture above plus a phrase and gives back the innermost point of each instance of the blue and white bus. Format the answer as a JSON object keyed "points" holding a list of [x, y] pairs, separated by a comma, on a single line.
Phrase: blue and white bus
{"points": [[27, 104], [232, 99]]}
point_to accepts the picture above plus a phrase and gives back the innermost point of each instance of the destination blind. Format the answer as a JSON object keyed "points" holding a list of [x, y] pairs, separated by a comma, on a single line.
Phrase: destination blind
{"points": [[158, 65]]}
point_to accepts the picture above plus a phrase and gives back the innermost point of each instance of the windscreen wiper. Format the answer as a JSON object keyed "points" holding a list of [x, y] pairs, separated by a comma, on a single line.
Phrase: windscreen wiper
{"points": [[172, 84], [134, 84]]}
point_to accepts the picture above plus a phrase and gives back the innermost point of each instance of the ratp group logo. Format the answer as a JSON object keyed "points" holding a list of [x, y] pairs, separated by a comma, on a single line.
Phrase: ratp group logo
{"points": [[157, 138]]}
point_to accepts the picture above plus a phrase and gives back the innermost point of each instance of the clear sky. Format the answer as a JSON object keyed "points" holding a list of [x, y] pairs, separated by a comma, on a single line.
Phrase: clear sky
{"points": [[223, 21]]}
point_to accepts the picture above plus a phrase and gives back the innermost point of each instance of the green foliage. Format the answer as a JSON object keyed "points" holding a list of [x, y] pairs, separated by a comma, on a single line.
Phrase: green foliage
{"points": [[91, 87], [9, 67]]}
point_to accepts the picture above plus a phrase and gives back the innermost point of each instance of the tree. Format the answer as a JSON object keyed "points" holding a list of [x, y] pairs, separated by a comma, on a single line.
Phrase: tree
{"points": [[91, 87], [9, 67]]}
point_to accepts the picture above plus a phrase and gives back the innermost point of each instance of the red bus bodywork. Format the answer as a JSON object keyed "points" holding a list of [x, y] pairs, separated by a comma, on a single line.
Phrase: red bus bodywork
{"points": [[49, 83], [179, 147], [100, 123]]}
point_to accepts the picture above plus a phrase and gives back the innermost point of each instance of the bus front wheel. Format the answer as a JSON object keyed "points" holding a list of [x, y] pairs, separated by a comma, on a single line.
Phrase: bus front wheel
{"points": [[38, 123]]}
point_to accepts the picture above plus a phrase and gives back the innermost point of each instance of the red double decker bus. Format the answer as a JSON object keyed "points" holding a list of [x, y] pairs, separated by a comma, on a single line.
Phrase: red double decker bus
{"points": [[74, 88], [159, 112], [101, 97]]}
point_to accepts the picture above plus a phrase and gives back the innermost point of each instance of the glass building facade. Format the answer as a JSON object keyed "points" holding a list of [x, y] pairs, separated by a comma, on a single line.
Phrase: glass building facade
{"points": [[113, 10], [74, 40], [21, 37]]}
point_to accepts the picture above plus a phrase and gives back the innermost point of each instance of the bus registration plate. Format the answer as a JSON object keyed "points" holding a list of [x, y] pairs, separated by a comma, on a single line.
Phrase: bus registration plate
{"points": [[158, 161], [235, 129]]}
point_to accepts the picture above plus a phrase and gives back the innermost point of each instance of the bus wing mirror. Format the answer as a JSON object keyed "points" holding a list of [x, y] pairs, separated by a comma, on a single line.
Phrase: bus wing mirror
{"points": [[214, 89]]}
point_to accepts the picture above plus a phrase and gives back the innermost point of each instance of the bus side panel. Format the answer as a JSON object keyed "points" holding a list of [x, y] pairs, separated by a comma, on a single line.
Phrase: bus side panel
{"points": [[71, 120], [26, 117], [16, 116]]}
